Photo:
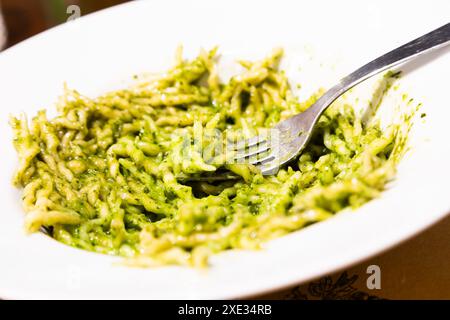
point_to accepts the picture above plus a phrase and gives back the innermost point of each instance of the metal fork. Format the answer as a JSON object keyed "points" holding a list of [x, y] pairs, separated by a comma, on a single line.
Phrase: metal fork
{"points": [[289, 137], [285, 141]]}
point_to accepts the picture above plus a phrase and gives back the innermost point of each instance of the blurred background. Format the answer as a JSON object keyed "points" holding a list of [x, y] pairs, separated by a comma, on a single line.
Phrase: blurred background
{"points": [[25, 18]]}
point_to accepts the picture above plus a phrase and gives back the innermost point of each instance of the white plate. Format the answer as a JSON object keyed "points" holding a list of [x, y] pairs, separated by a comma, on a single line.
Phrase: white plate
{"points": [[96, 52]]}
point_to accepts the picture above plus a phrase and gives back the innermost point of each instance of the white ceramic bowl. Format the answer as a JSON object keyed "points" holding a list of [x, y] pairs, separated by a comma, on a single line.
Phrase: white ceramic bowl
{"points": [[97, 52]]}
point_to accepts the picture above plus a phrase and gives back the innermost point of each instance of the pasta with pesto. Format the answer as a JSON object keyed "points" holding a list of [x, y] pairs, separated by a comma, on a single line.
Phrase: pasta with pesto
{"points": [[104, 174]]}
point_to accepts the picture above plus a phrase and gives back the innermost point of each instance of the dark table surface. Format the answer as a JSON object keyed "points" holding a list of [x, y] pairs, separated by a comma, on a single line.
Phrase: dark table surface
{"points": [[25, 18]]}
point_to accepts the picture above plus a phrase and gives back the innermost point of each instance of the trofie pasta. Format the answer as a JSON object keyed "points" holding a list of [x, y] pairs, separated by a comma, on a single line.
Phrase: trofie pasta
{"points": [[105, 174]]}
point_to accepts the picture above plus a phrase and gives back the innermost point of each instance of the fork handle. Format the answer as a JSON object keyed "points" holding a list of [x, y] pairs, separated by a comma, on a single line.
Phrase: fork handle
{"points": [[425, 43]]}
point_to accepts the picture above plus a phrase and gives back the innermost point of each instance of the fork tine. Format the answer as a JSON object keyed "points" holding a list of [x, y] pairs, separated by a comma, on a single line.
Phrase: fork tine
{"points": [[268, 157], [252, 152], [269, 168], [251, 142]]}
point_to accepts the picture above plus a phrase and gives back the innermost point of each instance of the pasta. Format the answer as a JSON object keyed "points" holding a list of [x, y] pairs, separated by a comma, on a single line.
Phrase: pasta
{"points": [[105, 174]]}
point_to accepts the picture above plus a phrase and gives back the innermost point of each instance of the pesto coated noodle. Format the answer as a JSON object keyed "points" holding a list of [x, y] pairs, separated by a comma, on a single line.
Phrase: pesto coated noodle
{"points": [[104, 174]]}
